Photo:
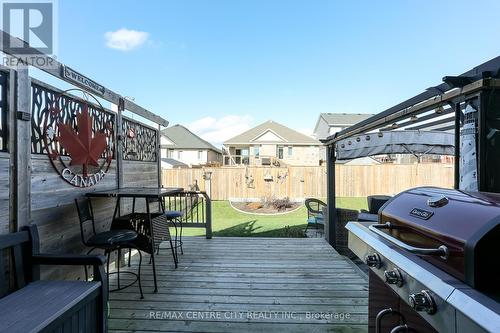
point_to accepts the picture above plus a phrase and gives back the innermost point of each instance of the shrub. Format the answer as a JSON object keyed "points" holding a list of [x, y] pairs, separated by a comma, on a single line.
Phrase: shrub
{"points": [[281, 204]]}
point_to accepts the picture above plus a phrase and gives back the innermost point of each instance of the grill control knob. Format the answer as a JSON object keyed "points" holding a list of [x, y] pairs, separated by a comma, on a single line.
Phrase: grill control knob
{"points": [[373, 260], [422, 302], [394, 276]]}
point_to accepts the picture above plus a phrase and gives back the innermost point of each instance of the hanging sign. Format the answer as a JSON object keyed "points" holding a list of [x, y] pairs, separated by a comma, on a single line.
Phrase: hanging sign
{"points": [[82, 80]]}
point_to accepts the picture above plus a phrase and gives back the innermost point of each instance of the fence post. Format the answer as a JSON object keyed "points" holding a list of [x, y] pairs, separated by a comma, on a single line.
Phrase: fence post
{"points": [[207, 176]]}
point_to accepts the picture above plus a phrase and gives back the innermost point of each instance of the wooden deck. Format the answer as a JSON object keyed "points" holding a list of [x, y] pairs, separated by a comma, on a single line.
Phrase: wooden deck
{"points": [[246, 285]]}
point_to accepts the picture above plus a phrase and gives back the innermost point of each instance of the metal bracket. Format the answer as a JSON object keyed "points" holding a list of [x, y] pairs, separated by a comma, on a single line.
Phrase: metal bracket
{"points": [[24, 116], [121, 104]]}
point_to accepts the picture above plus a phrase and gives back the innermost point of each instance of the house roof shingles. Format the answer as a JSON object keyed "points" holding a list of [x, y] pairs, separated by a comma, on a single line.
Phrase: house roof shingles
{"points": [[182, 138], [344, 118], [174, 162], [289, 135]]}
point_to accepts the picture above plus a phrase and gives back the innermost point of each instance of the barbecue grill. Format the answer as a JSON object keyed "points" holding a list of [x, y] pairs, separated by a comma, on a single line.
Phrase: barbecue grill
{"points": [[433, 258]]}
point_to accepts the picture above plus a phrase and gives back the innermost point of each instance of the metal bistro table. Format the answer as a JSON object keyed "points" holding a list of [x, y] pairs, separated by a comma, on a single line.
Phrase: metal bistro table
{"points": [[140, 222]]}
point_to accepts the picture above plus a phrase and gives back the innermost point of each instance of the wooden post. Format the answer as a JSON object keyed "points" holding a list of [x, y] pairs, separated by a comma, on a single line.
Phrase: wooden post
{"points": [[20, 148], [330, 222], [120, 260], [119, 143], [12, 149], [158, 154], [208, 210], [456, 164]]}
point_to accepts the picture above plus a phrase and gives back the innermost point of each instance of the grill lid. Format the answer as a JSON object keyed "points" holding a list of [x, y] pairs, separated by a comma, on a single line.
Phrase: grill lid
{"points": [[454, 230]]}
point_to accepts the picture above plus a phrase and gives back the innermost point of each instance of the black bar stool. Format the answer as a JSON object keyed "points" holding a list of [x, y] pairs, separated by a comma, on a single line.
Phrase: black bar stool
{"points": [[109, 241], [174, 216]]}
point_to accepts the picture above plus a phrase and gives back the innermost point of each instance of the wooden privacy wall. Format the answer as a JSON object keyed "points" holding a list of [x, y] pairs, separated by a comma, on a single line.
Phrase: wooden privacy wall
{"points": [[302, 182], [52, 198]]}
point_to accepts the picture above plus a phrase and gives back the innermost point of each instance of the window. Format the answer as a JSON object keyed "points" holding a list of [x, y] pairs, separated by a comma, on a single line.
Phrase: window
{"points": [[280, 152], [170, 153], [256, 151], [200, 155], [179, 154], [290, 151]]}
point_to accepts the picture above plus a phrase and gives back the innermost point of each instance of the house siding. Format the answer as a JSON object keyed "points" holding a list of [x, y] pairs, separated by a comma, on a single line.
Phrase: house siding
{"points": [[322, 129], [190, 156], [301, 155]]}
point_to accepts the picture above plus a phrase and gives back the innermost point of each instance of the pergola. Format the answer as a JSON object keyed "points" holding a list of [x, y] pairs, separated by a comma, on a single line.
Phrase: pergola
{"points": [[428, 123]]}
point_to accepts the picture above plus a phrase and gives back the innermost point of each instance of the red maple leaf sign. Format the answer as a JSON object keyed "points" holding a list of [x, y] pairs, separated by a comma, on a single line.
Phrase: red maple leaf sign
{"points": [[83, 149]]}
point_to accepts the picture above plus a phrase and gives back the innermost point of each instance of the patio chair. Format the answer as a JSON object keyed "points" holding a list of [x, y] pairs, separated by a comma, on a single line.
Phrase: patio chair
{"points": [[315, 216], [342, 217], [109, 241], [161, 223], [375, 202]]}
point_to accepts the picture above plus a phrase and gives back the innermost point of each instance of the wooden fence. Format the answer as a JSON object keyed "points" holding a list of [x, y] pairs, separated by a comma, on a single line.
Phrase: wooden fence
{"points": [[302, 182]]}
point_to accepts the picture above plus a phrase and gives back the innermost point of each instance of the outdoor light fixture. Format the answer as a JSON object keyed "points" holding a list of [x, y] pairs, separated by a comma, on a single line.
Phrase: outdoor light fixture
{"points": [[380, 134], [367, 138], [358, 139], [394, 126], [414, 118], [439, 110]]}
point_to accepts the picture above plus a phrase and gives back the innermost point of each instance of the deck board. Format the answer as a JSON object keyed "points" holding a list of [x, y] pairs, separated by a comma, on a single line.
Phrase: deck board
{"points": [[245, 285]]}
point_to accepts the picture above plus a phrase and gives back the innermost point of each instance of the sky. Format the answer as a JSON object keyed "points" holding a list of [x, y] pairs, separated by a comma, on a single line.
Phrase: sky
{"points": [[223, 66]]}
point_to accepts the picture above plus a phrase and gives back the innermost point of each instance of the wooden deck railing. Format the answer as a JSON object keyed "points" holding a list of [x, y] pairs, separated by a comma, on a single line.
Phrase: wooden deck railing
{"points": [[196, 207]]}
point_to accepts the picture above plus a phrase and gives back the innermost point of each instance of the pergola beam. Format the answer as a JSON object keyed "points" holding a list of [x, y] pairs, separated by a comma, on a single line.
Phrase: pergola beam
{"points": [[442, 93], [424, 118], [431, 124]]}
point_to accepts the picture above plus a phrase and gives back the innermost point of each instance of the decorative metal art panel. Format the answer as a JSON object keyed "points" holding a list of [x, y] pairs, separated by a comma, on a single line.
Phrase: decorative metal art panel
{"points": [[139, 142], [45, 100], [76, 133]]}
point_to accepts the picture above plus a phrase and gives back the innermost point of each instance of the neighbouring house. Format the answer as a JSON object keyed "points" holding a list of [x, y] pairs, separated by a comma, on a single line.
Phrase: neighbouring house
{"points": [[331, 123], [171, 163], [181, 146], [271, 143]]}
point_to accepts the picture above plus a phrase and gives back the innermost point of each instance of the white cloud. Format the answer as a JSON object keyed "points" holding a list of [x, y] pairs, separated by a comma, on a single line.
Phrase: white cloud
{"points": [[125, 39], [216, 131]]}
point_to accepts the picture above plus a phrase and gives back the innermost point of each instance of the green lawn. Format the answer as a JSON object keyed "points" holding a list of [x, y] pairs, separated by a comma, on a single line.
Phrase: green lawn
{"points": [[227, 222]]}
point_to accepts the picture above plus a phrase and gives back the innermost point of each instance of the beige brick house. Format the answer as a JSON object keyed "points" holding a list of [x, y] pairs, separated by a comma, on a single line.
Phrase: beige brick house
{"points": [[271, 143]]}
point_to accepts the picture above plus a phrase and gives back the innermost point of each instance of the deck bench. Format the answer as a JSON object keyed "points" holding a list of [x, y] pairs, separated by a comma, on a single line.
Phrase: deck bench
{"points": [[49, 305]]}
